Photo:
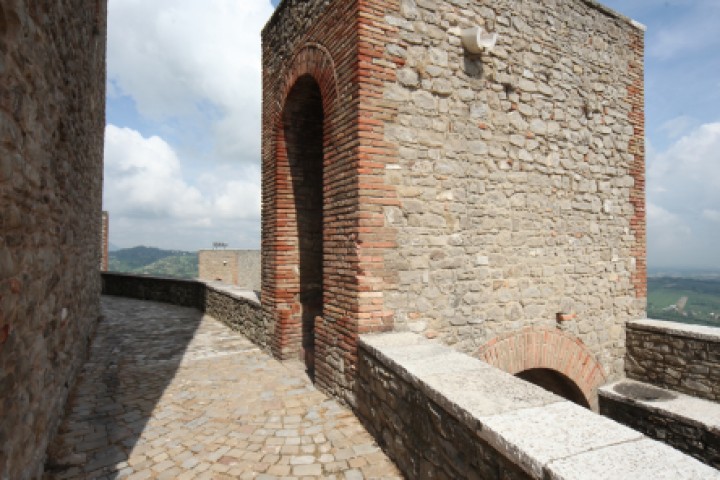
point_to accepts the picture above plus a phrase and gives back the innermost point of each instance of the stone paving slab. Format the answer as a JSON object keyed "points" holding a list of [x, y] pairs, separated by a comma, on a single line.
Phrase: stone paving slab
{"points": [[170, 394]]}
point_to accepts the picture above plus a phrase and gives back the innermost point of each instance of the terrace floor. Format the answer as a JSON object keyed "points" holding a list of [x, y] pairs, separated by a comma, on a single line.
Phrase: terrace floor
{"points": [[170, 393]]}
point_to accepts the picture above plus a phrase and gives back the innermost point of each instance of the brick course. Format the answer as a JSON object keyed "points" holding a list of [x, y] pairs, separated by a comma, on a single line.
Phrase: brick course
{"points": [[323, 41]]}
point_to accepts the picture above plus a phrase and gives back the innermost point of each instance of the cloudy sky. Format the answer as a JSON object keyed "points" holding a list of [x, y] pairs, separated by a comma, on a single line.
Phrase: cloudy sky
{"points": [[182, 143]]}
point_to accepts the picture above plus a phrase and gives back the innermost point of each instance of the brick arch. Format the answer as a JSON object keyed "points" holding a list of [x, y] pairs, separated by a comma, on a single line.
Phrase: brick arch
{"points": [[540, 348], [312, 59]]}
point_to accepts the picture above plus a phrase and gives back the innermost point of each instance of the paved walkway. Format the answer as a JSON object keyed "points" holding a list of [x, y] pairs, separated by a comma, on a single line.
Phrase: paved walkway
{"points": [[170, 394]]}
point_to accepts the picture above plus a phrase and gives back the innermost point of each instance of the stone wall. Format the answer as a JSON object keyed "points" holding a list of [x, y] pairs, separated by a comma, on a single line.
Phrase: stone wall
{"points": [[232, 267], [520, 172], [684, 358], [441, 414], [240, 313], [52, 100]]}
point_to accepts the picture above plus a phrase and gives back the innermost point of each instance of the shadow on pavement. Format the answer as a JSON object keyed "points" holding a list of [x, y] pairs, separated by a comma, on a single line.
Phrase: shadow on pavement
{"points": [[135, 354]]}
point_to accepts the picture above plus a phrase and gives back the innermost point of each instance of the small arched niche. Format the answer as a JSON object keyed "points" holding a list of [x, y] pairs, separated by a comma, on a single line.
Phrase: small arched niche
{"points": [[555, 382]]}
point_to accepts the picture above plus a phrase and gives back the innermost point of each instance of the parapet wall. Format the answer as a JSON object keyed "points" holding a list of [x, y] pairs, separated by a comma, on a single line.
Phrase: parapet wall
{"points": [[441, 414], [684, 358], [240, 310], [186, 293], [52, 119], [437, 411], [690, 424]]}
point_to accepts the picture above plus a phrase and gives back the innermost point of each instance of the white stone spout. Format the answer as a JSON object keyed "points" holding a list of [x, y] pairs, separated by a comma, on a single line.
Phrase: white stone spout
{"points": [[475, 39]]}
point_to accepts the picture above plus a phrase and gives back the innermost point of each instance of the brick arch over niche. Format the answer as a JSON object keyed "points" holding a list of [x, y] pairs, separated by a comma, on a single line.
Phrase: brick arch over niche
{"points": [[314, 60], [536, 349]]}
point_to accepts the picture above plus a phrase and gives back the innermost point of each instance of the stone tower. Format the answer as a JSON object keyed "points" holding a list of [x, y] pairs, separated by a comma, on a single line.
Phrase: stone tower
{"points": [[492, 197]]}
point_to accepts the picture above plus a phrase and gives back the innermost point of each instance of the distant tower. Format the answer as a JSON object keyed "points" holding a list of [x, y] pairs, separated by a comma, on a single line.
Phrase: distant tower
{"points": [[105, 241]]}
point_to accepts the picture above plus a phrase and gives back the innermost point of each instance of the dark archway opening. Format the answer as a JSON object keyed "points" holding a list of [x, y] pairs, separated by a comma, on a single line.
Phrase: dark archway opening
{"points": [[555, 382], [303, 127]]}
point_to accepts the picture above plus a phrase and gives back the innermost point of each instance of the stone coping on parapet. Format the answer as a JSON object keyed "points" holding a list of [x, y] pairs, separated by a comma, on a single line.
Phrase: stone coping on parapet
{"points": [[233, 291], [150, 277], [700, 332], [545, 435], [695, 411]]}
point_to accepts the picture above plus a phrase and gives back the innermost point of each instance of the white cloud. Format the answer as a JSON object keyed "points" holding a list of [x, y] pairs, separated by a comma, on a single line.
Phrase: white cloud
{"points": [[683, 199], [145, 188], [668, 230], [179, 58], [693, 161], [675, 127], [712, 215], [145, 177], [192, 71]]}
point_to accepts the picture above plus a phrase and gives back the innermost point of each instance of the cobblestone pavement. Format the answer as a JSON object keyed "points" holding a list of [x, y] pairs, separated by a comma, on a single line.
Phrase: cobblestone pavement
{"points": [[170, 394]]}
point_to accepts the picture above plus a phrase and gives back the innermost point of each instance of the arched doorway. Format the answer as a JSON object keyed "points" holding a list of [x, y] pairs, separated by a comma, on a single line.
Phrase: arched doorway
{"points": [[555, 382], [302, 124]]}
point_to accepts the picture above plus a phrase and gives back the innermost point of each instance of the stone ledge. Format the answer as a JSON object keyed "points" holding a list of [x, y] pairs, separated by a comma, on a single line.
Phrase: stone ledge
{"points": [[690, 424], [640, 459], [699, 332], [540, 432], [176, 291], [233, 291], [685, 408]]}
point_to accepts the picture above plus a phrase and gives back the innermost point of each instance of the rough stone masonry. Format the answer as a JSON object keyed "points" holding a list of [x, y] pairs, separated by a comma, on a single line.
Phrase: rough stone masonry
{"points": [[52, 112], [484, 199]]}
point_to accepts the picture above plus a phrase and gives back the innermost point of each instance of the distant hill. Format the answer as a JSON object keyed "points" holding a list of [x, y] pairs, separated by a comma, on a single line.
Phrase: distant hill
{"points": [[686, 300], [684, 272], [154, 261]]}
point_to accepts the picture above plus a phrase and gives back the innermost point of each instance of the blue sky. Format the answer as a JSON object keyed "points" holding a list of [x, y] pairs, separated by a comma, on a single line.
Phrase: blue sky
{"points": [[183, 136], [682, 102]]}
